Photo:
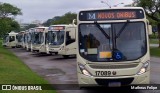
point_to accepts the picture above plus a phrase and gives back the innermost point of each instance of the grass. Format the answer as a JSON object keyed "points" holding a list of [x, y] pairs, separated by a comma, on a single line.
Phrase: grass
{"points": [[14, 71], [155, 52], [154, 41]]}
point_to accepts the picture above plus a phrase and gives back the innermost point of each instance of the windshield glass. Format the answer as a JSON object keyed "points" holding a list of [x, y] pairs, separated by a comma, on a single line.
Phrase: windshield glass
{"points": [[19, 38], [95, 46], [56, 37], [29, 37], [37, 37]]}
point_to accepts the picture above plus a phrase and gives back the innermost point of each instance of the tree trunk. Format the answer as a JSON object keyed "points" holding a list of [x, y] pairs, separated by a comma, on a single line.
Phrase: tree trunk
{"points": [[159, 34]]}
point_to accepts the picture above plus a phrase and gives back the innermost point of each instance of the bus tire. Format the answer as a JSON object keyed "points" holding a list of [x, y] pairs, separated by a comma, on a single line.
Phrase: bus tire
{"points": [[56, 53], [65, 56]]}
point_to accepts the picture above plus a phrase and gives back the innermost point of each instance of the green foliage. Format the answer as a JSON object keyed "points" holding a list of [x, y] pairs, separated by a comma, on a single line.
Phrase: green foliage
{"points": [[66, 18], [155, 52], [14, 71], [7, 23], [49, 21], [8, 10], [152, 10]]}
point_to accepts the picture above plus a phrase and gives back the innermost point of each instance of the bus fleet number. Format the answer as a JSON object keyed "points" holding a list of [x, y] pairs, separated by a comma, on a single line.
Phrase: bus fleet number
{"points": [[103, 73]]}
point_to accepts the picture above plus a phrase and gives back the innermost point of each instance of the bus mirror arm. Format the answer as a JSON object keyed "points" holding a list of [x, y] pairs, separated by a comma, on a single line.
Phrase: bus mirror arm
{"points": [[122, 29], [101, 29]]}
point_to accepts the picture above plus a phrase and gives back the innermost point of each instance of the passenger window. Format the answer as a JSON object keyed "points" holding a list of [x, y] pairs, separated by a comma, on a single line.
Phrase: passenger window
{"points": [[69, 40]]}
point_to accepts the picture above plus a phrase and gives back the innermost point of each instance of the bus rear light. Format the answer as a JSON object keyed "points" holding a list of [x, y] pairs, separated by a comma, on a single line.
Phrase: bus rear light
{"points": [[144, 68]]}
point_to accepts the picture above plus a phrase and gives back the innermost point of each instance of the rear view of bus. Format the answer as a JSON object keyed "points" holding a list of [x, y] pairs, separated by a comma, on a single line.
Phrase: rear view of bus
{"points": [[113, 47]]}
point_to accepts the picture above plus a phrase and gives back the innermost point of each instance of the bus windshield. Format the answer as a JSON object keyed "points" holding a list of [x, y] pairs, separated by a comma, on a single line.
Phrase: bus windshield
{"points": [[19, 38], [37, 37], [96, 47], [29, 37], [56, 37]]}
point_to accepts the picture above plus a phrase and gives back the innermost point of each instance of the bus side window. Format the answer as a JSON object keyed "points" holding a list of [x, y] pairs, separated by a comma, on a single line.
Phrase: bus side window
{"points": [[69, 40]]}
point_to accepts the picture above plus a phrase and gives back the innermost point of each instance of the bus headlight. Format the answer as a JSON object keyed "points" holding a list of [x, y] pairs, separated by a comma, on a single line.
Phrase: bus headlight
{"points": [[84, 70], [144, 68]]}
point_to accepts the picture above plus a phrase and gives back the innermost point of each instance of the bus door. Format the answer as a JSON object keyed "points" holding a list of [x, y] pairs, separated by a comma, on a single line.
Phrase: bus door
{"points": [[70, 45]]}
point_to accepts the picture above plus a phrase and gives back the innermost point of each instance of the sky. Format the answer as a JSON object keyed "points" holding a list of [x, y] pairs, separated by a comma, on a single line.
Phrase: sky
{"points": [[47, 9]]}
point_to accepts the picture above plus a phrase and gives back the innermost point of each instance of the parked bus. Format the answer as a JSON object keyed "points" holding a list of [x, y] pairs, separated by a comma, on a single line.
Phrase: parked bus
{"points": [[113, 47], [43, 46], [29, 38], [5, 40], [20, 39], [12, 42], [61, 40], [36, 38], [24, 40]]}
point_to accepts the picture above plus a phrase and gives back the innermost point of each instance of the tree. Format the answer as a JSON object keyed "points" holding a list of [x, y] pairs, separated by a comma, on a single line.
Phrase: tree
{"points": [[66, 18], [7, 13], [8, 10], [152, 10], [7, 25], [49, 21]]}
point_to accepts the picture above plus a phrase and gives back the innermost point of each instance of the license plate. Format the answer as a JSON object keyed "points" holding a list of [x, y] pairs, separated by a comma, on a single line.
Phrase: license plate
{"points": [[114, 84]]}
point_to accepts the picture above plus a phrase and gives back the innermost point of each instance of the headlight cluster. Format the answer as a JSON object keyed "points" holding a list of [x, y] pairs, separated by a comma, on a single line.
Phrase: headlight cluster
{"points": [[84, 70], [144, 68]]}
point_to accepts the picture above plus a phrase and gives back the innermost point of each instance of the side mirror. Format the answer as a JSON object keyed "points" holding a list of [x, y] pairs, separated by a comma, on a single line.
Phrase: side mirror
{"points": [[149, 29]]}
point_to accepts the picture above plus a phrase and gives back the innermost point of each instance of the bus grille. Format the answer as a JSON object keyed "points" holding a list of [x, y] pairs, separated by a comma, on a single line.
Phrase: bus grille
{"points": [[113, 66], [123, 81]]}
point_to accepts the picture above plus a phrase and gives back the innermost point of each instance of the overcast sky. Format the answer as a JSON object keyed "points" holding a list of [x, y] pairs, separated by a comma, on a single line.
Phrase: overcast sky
{"points": [[45, 9]]}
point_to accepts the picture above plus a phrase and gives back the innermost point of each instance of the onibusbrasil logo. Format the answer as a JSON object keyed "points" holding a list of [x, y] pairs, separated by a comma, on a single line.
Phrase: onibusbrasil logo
{"points": [[21, 87]]}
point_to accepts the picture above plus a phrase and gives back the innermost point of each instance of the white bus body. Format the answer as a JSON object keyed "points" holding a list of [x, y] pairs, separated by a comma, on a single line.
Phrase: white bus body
{"points": [[12, 42], [43, 46], [20, 39], [37, 41], [29, 39], [113, 47], [61, 40], [24, 40]]}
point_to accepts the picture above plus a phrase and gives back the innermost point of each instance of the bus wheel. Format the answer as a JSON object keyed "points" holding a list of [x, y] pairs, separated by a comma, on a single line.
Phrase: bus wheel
{"points": [[65, 56]]}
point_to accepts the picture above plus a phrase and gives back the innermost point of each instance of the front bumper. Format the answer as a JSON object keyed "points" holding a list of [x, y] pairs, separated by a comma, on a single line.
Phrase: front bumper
{"points": [[54, 50], [125, 80]]}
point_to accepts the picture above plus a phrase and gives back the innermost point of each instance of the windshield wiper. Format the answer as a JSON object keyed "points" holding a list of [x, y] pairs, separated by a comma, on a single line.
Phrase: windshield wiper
{"points": [[122, 29], [102, 30]]}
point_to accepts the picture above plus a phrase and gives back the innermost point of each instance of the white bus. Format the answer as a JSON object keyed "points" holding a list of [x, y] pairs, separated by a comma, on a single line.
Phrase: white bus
{"points": [[113, 47], [29, 38], [37, 39], [20, 39], [61, 40], [24, 40], [12, 40], [43, 46]]}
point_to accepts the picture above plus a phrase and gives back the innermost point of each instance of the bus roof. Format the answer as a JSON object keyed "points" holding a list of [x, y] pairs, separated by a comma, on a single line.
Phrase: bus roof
{"points": [[111, 8]]}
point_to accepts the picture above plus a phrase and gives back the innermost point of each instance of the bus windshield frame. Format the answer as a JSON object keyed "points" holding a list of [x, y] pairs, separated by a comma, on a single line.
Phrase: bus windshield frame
{"points": [[115, 46], [56, 39]]}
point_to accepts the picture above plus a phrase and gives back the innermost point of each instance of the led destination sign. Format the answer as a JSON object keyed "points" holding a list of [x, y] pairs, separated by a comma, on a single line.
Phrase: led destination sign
{"points": [[40, 29], [57, 28], [120, 14]]}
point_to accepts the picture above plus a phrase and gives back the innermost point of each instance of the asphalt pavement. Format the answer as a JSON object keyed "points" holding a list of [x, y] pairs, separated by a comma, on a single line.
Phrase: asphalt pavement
{"points": [[58, 70]]}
